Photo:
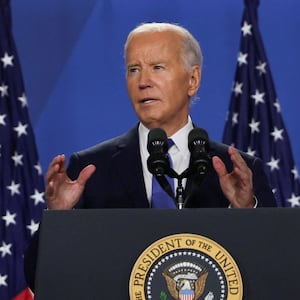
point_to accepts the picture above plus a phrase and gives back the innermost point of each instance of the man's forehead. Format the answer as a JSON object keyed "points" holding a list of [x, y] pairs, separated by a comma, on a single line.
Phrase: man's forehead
{"points": [[153, 43]]}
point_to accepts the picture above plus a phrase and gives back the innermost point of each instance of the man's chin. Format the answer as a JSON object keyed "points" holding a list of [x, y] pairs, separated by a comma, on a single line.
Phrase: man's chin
{"points": [[151, 123]]}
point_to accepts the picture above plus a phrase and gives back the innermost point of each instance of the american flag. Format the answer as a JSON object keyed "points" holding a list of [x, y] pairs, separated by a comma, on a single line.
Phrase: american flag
{"points": [[254, 122], [21, 180]]}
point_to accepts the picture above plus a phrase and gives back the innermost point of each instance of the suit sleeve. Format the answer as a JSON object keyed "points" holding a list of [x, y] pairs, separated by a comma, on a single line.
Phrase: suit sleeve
{"points": [[262, 188], [30, 260]]}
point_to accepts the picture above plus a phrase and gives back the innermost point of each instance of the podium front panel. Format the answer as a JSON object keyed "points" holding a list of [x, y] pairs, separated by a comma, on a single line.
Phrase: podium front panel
{"points": [[89, 254]]}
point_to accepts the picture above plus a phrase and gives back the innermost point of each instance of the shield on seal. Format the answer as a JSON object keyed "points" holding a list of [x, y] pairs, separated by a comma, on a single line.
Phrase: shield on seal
{"points": [[186, 295]]}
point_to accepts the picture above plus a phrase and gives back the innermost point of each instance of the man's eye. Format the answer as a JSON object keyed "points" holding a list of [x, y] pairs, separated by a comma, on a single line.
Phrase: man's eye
{"points": [[132, 70], [158, 67]]}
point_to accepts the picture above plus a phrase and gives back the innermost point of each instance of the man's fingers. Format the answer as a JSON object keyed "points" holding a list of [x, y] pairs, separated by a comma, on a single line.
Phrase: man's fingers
{"points": [[49, 189], [57, 165], [85, 174], [237, 159], [239, 164], [61, 162], [219, 166]]}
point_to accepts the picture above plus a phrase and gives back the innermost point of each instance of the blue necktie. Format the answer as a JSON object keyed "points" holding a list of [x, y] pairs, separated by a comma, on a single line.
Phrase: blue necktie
{"points": [[160, 199]]}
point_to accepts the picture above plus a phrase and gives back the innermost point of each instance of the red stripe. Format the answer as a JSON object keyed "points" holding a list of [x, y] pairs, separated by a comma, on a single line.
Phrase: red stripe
{"points": [[24, 295]]}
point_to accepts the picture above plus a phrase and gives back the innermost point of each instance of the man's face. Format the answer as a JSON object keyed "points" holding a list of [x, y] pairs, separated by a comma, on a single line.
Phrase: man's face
{"points": [[158, 85]]}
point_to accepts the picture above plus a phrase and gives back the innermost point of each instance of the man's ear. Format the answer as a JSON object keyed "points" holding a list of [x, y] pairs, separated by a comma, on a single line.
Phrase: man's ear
{"points": [[194, 81]]}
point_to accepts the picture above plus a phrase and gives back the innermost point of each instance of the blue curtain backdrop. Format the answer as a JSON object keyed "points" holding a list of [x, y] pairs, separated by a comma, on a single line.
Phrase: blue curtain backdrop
{"points": [[72, 59]]}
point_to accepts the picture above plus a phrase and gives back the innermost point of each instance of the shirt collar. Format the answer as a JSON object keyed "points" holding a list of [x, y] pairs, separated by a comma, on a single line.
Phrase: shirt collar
{"points": [[180, 138]]}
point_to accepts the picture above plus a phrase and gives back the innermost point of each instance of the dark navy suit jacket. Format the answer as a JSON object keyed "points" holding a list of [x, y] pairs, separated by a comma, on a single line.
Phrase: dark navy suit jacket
{"points": [[118, 182]]}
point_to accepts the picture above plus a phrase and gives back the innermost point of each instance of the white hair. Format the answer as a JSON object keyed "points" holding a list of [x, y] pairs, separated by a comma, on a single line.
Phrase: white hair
{"points": [[191, 54]]}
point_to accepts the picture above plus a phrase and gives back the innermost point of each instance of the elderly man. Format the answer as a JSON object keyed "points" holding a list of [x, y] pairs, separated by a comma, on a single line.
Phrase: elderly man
{"points": [[163, 74]]}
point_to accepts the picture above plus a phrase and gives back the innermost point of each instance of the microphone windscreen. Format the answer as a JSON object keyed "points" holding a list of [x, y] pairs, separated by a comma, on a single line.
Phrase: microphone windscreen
{"points": [[157, 137], [196, 136]]}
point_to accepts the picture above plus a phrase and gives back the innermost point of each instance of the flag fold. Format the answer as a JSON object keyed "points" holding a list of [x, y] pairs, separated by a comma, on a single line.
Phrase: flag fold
{"points": [[21, 179], [254, 122]]}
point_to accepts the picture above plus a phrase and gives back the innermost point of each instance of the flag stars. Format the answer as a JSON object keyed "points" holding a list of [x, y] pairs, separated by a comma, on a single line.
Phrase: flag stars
{"points": [[238, 88], [38, 197], [9, 218], [38, 167], [5, 249], [246, 29], [254, 126], [21, 129], [250, 151], [295, 173], [33, 227], [22, 195], [23, 100], [3, 280], [234, 119], [7, 60], [14, 188], [257, 118], [294, 200], [242, 58], [258, 97], [17, 158], [261, 67], [277, 106], [3, 90], [2, 121], [277, 134], [273, 164]]}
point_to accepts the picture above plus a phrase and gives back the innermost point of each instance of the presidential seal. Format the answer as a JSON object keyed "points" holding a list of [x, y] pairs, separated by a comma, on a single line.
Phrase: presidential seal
{"points": [[185, 267]]}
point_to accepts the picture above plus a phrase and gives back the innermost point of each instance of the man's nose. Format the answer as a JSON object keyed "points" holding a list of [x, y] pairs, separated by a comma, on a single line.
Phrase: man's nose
{"points": [[145, 79]]}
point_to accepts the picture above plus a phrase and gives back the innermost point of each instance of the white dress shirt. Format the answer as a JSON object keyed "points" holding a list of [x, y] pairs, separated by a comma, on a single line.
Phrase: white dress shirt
{"points": [[179, 153]]}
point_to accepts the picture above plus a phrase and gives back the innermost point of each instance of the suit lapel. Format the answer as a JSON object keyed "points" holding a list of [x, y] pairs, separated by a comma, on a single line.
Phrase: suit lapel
{"points": [[128, 168]]}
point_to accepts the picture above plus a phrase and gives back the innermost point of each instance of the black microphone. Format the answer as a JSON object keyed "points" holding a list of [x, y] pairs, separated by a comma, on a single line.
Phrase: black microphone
{"points": [[198, 143], [158, 161]]}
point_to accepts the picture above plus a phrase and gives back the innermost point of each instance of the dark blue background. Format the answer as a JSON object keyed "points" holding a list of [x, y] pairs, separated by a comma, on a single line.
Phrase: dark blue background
{"points": [[72, 58]]}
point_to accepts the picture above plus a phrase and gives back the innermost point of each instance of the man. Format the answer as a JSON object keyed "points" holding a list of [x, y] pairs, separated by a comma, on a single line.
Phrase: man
{"points": [[163, 73]]}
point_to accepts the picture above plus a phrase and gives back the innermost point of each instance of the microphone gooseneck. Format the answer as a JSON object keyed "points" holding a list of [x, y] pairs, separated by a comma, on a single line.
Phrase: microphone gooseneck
{"points": [[159, 165]]}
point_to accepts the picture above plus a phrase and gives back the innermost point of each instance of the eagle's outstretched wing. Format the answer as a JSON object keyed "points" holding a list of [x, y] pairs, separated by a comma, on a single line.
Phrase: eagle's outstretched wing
{"points": [[200, 285], [171, 283]]}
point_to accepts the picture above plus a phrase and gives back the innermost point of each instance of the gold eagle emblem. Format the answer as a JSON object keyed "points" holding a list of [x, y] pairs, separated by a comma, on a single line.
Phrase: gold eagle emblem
{"points": [[188, 281]]}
